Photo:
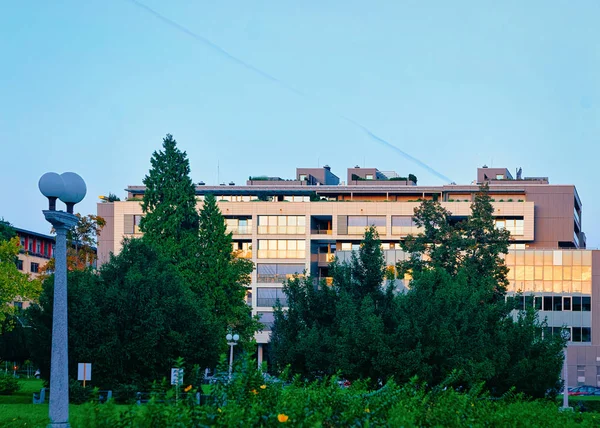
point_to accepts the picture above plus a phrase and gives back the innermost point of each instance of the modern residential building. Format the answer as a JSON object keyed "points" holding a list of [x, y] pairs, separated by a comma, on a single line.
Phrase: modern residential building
{"points": [[291, 226]]}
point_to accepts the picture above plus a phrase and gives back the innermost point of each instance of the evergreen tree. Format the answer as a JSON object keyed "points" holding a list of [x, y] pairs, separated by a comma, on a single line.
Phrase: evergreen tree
{"points": [[221, 274], [170, 216]]}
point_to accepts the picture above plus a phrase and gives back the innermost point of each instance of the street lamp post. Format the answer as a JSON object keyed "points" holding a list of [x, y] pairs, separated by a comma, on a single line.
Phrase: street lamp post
{"points": [[566, 335], [232, 340], [69, 188]]}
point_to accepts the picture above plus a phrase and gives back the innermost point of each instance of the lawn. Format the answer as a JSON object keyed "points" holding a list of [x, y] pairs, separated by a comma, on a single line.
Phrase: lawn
{"points": [[18, 410]]}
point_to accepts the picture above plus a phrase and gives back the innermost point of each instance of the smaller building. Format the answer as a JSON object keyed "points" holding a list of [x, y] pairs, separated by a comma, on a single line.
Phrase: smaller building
{"points": [[36, 249]]}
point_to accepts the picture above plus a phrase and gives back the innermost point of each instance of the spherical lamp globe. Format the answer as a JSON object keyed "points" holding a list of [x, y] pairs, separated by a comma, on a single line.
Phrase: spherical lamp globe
{"points": [[229, 337], [75, 190], [52, 186]]}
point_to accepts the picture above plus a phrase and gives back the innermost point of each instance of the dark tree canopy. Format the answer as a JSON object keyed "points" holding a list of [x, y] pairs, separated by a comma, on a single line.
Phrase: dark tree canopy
{"points": [[130, 321], [453, 316]]}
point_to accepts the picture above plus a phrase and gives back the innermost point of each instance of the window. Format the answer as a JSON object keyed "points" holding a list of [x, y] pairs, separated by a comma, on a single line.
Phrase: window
{"points": [[136, 223], [403, 225], [281, 224], [358, 224], [566, 304], [499, 177], [268, 296], [22, 242], [38, 247], [580, 375], [274, 272], [239, 226], [18, 305], [267, 319], [19, 263], [547, 303], [557, 303], [242, 250], [35, 267], [586, 304], [514, 225], [368, 176], [303, 177], [281, 249], [30, 246]]}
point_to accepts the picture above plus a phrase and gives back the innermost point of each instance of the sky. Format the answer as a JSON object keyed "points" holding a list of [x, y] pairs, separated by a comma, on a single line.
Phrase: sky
{"points": [[262, 87]]}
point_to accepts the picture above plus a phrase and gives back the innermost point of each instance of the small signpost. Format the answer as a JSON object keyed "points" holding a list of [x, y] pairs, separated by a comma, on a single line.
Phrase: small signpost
{"points": [[176, 376], [176, 379], [84, 372]]}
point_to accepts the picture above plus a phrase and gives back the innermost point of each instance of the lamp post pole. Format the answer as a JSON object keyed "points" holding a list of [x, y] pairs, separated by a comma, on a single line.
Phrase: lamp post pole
{"points": [[567, 336], [71, 189], [232, 340]]}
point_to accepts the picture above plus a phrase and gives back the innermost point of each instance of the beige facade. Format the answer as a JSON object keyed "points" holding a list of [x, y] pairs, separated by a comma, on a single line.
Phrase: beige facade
{"points": [[300, 226]]}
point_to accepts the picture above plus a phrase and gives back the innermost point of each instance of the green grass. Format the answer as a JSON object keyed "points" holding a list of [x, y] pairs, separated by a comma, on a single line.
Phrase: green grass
{"points": [[18, 410]]}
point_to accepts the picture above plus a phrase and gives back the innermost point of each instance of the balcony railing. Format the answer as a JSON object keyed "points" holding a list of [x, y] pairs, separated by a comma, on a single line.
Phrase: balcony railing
{"points": [[321, 232], [274, 278], [326, 258], [240, 230], [243, 254], [269, 302]]}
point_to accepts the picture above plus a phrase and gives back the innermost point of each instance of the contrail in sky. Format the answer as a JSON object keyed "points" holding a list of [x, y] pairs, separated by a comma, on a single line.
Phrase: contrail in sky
{"points": [[274, 79]]}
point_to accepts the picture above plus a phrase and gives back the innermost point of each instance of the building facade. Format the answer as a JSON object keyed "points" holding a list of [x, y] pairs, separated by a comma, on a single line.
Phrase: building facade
{"points": [[291, 226], [36, 249]]}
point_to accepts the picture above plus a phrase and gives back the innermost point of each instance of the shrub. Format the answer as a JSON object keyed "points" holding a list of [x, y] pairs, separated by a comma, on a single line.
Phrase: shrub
{"points": [[77, 393], [8, 384]]}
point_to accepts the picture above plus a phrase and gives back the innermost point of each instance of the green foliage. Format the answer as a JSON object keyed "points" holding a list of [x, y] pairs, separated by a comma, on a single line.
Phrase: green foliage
{"points": [[249, 400], [220, 276], [412, 178], [8, 384], [112, 197], [14, 285], [130, 321], [6, 230], [452, 317], [324, 326]]}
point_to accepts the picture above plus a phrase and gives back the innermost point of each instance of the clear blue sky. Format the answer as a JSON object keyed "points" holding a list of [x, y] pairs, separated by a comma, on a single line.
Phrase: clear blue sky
{"points": [[93, 87]]}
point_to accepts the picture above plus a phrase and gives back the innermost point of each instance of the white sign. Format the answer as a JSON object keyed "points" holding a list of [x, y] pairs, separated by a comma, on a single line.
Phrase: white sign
{"points": [[84, 371], [176, 376]]}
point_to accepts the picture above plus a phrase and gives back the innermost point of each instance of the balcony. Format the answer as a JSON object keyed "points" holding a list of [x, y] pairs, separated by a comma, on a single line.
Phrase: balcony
{"points": [[240, 230], [325, 259], [321, 232], [243, 254], [269, 302], [275, 278]]}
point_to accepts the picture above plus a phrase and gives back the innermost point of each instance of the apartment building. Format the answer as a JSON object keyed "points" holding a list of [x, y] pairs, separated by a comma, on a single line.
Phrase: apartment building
{"points": [[35, 251], [288, 226]]}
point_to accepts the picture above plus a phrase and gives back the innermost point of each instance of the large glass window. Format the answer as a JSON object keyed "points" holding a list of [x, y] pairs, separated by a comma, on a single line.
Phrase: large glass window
{"points": [[239, 226], [277, 272], [514, 225], [136, 223], [267, 297], [403, 225], [281, 224], [267, 319], [281, 249], [358, 223]]}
